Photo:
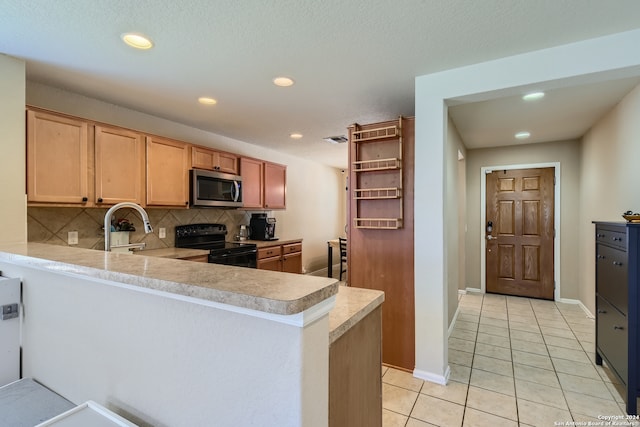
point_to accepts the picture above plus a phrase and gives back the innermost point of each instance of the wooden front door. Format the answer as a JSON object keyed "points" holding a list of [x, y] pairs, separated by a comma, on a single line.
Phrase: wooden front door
{"points": [[520, 232]]}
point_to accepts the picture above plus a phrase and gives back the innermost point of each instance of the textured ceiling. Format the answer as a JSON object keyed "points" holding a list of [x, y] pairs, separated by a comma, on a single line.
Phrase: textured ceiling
{"points": [[353, 61]]}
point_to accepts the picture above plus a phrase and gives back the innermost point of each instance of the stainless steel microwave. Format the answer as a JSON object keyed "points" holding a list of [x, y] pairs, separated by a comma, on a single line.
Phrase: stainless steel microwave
{"points": [[215, 189]]}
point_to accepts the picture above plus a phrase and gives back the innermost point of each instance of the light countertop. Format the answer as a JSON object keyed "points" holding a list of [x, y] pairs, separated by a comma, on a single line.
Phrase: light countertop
{"points": [[352, 305], [267, 291], [265, 243]]}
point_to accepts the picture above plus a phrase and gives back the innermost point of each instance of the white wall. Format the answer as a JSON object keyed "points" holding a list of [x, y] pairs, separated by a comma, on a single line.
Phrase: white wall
{"points": [[160, 361], [609, 184], [13, 215], [453, 208], [614, 56], [315, 210]]}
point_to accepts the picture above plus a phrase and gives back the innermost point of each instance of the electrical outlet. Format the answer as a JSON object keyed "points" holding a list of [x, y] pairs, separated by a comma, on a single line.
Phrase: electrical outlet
{"points": [[72, 238], [162, 232]]}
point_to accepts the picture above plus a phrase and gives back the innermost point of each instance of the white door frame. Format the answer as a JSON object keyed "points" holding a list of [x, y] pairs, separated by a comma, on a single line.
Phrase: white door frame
{"points": [[556, 220]]}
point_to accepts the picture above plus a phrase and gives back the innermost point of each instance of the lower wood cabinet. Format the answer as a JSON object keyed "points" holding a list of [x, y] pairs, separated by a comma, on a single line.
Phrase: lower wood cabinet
{"points": [[355, 383], [281, 257]]}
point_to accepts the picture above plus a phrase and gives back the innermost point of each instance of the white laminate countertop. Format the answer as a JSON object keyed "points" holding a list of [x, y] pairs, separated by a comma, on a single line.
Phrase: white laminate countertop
{"points": [[352, 305], [267, 291], [265, 243]]}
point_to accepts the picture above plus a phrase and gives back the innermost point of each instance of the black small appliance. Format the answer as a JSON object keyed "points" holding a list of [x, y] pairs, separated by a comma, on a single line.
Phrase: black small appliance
{"points": [[212, 238], [262, 227]]}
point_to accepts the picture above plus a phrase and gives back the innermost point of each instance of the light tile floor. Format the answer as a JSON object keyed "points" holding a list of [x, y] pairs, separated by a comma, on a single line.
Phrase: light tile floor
{"points": [[514, 362]]}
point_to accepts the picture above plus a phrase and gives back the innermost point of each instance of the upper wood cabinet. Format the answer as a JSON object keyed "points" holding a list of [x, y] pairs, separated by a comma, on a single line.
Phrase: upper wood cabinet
{"points": [[57, 155], [203, 158], [275, 186], [251, 171], [263, 184], [119, 166], [167, 172]]}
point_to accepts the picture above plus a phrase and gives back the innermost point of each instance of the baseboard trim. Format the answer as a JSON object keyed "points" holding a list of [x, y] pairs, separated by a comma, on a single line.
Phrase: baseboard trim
{"points": [[474, 291], [433, 378], [580, 304], [453, 321], [462, 291]]}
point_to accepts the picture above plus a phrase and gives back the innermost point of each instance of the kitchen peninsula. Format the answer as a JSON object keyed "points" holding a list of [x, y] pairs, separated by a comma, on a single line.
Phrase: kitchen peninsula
{"points": [[165, 342]]}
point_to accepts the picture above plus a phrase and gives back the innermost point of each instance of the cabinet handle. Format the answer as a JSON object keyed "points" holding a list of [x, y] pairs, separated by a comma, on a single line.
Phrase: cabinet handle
{"points": [[619, 264], [186, 203], [600, 235], [602, 311], [617, 239], [85, 199], [99, 199], [620, 328], [601, 256]]}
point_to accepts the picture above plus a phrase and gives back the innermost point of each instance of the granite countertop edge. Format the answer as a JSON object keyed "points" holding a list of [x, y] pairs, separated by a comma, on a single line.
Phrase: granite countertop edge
{"points": [[269, 292], [352, 305]]}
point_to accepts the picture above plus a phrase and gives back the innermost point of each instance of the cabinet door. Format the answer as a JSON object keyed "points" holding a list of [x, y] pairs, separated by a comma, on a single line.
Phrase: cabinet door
{"points": [[201, 158], [273, 264], [57, 151], [275, 184], [227, 162], [292, 263], [252, 182], [167, 170], [119, 172]]}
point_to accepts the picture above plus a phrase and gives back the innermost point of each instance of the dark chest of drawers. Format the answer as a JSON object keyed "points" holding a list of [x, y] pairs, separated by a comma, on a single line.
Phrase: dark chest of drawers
{"points": [[617, 303]]}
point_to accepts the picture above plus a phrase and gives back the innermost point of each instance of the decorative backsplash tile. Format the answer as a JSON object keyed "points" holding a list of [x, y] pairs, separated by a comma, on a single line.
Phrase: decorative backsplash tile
{"points": [[51, 225]]}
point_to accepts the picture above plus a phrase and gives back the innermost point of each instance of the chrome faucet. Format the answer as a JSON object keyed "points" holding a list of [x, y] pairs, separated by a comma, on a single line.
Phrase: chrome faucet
{"points": [[107, 225]]}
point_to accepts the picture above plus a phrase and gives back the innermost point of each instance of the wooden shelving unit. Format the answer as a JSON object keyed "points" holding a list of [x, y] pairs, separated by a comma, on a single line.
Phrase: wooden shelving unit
{"points": [[380, 228], [379, 177]]}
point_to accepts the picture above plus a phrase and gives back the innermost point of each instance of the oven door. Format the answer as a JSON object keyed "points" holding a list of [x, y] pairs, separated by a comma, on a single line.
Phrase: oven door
{"points": [[243, 258]]}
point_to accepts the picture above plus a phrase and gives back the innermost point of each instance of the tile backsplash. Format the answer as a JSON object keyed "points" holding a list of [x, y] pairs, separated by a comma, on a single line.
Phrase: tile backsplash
{"points": [[52, 225]]}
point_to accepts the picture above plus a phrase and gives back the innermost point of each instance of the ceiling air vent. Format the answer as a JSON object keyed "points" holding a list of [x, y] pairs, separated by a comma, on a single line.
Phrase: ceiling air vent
{"points": [[341, 139]]}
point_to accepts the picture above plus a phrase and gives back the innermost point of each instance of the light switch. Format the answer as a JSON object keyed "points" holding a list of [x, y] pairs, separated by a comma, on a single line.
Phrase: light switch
{"points": [[72, 238], [162, 232]]}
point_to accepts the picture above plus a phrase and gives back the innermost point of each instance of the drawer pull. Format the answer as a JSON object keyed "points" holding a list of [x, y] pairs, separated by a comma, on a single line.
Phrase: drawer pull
{"points": [[602, 311], [601, 257], [619, 264], [618, 327], [600, 235], [617, 239]]}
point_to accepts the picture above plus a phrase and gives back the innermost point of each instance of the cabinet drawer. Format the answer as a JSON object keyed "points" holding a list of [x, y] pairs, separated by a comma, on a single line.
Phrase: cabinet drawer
{"points": [[611, 276], [271, 251], [612, 336], [612, 237], [291, 248]]}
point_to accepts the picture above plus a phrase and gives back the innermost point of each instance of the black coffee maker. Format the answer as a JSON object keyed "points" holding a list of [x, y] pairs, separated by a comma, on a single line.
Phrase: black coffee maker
{"points": [[262, 228]]}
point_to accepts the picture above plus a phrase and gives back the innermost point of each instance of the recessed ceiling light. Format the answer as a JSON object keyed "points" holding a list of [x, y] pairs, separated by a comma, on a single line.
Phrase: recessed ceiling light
{"points": [[296, 135], [137, 40], [207, 101], [522, 135], [533, 96], [282, 81]]}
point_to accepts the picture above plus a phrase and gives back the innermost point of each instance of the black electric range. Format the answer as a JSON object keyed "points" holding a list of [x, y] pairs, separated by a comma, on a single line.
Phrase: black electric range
{"points": [[212, 238]]}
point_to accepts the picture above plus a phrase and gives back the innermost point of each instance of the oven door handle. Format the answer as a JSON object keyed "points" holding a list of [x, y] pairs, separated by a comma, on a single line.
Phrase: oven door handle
{"points": [[234, 254]]}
